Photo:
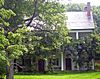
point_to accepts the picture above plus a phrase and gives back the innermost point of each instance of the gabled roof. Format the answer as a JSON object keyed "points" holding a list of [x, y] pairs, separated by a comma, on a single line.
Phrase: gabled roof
{"points": [[79, 20]]}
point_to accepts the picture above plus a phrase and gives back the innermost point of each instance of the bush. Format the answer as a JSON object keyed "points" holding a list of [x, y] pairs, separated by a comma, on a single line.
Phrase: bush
{"points": [[2, 69]]}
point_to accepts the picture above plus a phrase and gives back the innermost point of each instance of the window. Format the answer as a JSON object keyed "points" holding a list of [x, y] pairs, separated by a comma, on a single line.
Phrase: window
{"points": [[82, 35], [56, 62], [73, 35]]}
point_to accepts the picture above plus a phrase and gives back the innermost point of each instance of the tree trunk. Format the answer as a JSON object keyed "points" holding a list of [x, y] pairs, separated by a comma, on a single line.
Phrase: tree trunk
{"points": [[10, 71]]}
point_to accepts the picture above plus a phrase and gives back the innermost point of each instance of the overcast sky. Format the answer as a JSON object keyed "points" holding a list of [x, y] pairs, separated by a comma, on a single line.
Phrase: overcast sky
{"points": [[93, 2]]}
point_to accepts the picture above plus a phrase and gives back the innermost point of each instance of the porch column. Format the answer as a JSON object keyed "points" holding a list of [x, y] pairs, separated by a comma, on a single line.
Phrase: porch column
{"points": [[62, 61], [46, 64], [93, 64], [77, 37]]}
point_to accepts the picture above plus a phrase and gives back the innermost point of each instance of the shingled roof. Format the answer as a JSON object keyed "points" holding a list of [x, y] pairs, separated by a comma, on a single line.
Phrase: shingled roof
{"points": [[79, 20]]}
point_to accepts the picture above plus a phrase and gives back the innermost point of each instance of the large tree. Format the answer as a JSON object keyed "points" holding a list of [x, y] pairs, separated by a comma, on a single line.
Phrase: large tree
{"points": [[11, 46], [46, 17], [48, 22]]}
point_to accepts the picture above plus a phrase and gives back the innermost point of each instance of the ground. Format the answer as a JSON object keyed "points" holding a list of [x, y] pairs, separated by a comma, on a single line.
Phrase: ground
{"points": [[65, 75]]}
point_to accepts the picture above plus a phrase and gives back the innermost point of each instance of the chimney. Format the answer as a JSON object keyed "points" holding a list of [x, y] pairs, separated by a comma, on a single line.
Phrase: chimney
{"points": [[88, 9]]}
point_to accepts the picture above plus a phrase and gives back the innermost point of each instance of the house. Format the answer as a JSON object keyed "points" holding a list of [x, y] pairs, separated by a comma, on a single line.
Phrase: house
{"points": [[80, 25]]}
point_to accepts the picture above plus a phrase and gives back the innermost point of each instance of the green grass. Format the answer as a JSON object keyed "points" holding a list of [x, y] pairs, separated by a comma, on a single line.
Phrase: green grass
{"points": [[65, 75]]}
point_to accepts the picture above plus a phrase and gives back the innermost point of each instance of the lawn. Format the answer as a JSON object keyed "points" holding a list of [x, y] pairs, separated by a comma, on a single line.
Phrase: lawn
{"points": [[67, 75]]}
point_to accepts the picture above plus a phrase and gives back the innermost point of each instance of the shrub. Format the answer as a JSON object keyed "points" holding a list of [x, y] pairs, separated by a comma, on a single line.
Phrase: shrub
{"points": [[2, 69]]}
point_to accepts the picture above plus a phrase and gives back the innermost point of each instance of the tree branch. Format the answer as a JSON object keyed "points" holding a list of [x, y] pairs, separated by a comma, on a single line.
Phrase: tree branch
{"points": [[35, 14]]}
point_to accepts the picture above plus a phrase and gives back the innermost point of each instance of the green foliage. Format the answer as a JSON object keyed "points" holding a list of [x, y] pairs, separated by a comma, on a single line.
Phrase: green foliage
{"points": [[21, 8], [97, 40], [5, 14], [2, 68], [15, 51], [15, 41], [51, 13], [75, 7], [1, 3], [3, 40], [96, 15], [12, 45], [15, 38]]}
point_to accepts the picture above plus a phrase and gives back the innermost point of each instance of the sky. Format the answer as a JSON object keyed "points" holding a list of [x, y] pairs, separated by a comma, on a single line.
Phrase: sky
{"points": [[93, 2]]}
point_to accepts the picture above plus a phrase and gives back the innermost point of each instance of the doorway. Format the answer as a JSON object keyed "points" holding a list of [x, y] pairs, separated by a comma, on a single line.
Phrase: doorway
{"points": [[41, 65], [68, 64]]}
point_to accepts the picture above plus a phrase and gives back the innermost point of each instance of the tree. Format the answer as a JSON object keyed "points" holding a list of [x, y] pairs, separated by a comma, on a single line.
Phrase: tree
{"points": [[96, 16], [14, 47], [11, 46], [21, 8], [75, 7], [48, 18], [53, 31]]}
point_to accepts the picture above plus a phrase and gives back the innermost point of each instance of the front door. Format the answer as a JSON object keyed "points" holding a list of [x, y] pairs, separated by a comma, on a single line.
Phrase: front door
{"points": [[41, 65], [68, 64]]}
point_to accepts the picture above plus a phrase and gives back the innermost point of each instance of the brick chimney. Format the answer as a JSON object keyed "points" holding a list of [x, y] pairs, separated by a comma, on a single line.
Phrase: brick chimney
{"points": [[88, 9]]}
